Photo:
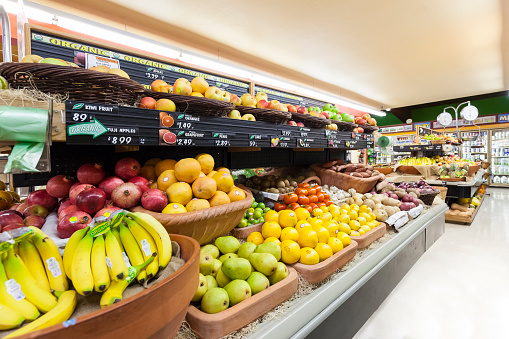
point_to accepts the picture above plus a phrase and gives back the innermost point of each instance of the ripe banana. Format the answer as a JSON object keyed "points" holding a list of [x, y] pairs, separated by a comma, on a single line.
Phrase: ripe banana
{"points": [[30, 256], [118, 269], [52, 261], [10, 318], [70, 249], [133, 250], [15, 248], [158, 232], [16, 269], [82, 278], [60, 313], [116, 233], [99, 268], [146, 244], [114, 293], [7, 297]]}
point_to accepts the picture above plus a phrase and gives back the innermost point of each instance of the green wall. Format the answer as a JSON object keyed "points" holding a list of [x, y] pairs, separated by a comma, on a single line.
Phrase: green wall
{"points": [[389, 119]]}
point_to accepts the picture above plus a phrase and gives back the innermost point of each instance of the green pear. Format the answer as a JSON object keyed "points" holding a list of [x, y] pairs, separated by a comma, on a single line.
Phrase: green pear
{"points": [[236, 268], [227, 244], [227, 256], [222, 279], [206, 263], [238, 290], [258, 282], [270, 247], [210, 249], [246, 249], [202, 288], [211, 282], [281, 273], [265, 263], [216, 267], [215, 300]]}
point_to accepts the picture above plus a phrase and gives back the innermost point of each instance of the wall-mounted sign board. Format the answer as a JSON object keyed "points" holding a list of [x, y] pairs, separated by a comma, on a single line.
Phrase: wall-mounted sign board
{"points": [[288, 98]]}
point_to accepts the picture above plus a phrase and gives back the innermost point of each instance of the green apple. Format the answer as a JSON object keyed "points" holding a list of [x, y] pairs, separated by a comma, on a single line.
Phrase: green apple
{"points": [[327, 107], [335, 109], [347, 117]]}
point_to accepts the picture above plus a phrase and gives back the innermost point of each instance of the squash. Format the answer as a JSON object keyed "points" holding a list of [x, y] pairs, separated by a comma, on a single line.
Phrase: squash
{"points": [[460, 208]]}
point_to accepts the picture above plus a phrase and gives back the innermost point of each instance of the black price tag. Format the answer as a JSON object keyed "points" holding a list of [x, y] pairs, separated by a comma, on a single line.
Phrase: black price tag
{"points": [[222, 143]]}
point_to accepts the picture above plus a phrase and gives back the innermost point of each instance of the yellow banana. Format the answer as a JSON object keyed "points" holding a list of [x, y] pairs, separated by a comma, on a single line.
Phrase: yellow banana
{"points": [[60, 313], [10, 318], [15, 248], [82, 278], [99, 268], [158, 232], [70, 248], [52, 261], [14, 300], [16, 269], [116, 233], [30, 256], [146, 244], [118, 269], [133, 250]]}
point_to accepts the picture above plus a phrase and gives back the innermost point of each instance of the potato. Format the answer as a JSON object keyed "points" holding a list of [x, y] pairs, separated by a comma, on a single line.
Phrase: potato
{"points": [[392, 202], [370, 203], [390, 210], [282, 190], [376, 200], [381, 215], [413, 195], [400, 193], [265, 184], [415, 191], [350, 201], [358, 201], [381, 185], [379, 206], [357, 196]]}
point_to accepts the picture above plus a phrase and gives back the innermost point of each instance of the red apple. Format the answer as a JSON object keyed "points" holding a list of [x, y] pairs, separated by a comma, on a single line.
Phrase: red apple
{"points": [[35, 210], [67, 210], [273, 104], [324, 115], [91, 200], [77, 189], [7, 219], [292, 123], [262, 104], [300, 124], [371, 121], [34, 220], [109, 184], [108, 209], [72, 222], [366, 116], [12, 227], [302, 110], [360, 121], [291, 108], [41, 197], [14, 207], [361, 130], [147, 102], [141, 182], [21, 207]]}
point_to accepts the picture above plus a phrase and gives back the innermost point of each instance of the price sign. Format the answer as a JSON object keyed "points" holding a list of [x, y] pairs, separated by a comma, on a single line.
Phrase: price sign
{"points": [[284, 144], [286, 133], [120, 140], [154, 73], [184, 125], [82, 117], [184, 142], [253, 143], [222, 143]]}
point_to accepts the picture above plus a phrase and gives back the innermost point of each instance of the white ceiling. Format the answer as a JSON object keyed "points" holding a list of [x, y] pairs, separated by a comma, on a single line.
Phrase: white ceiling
{"points": [[396, 52]]}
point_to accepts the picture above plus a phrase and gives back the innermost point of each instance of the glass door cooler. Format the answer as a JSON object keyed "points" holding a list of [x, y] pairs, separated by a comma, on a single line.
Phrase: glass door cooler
{"points": [[500, 158], [477, 149]]}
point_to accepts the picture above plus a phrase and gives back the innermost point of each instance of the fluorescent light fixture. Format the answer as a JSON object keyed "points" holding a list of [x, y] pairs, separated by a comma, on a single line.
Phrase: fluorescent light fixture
{"points": [[75, 23]]}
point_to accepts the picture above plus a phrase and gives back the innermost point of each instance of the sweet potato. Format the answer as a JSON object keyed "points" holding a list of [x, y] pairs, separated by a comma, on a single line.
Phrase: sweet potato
{"points": [[362, 169], [356, 174], [364, 174], [457, 207]]}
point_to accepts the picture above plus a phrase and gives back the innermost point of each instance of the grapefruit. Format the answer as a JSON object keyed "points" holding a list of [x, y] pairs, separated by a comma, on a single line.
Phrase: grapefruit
{"points": [[174, 209], [236, 194], [220, 198], [166, 179], [148, 172], [197, 204], [187, 170], [204, 188], [180, 192], [224, 181], [206, 162], [163, 165]]}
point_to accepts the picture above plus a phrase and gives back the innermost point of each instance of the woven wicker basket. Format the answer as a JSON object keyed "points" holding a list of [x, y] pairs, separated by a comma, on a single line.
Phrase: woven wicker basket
{"points": [[206, 224], [443, 191], [369, 129], [344, 181], [264, 114], [345, 126], [76, 83], [428, 198], [310, 121]]}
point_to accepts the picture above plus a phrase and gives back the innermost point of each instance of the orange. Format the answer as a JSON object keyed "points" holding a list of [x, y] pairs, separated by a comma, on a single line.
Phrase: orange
{"points": [[289, 233], [211, 174], [271, 216], [290, 251], [308, 238], [148, 172], [219, 198], [302, 213], [224, 181], [324, 251], [223, 169], [308, 256], [323, 234], [272, 239], [180, 192], [152, 162], [353, 215], [335, 244], [163, 165], [236, 194], [256, 238], [361, 221], [187, 170], [345, 239], [174, 209], [197, 204], [204, 188], [206, 162], [303, 225], [271, 229], [343, 227], [354, 225], [287, 218], [166, 179]]}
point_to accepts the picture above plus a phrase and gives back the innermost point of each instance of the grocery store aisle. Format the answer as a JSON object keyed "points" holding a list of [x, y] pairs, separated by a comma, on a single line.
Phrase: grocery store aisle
{"points": [[458, 288]]}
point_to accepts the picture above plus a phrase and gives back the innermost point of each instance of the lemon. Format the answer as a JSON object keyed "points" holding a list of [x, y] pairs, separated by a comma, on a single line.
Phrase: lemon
{"points": [[290, 251], [324, 209], [344, 218], [366, 228], [345, 207], [353, 215], [345, 239], [344, 228], [302, 225], [361, 231], [174, 208], [364, 208], [289, 233], [324, 251], [315, 222], [317, 212], [372, 216], [256, 238], [323, 234], [354, 207], [271, 229], [371, 224], [326, 216], [365, 216], [308, 238], [355, 234], [362, 221], [302, 213], [332, 208], [271, 216], [287, 218], [344, 212], [308, 256], [335, 244], [272, 239], [332, 227], [354, 225]]}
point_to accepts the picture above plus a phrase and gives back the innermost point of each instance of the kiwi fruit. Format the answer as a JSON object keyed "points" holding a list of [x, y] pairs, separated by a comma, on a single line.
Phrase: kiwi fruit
{"points": [[257, 187], [282, 190], [265, 183], [287, 183], [257, 180], [249, 183], [294, 184], [280, 184]]}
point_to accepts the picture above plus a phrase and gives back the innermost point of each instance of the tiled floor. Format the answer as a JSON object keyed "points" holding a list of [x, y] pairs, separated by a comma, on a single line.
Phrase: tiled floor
{"points": [[459, 288]]}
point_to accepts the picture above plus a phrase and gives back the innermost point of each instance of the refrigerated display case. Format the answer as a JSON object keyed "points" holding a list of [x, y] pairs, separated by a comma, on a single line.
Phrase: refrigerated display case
{"points": [[475, 149], [500, 157]]}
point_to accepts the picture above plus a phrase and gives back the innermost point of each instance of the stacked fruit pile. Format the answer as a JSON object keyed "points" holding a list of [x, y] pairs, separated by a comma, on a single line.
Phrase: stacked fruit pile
{"points": [[254, 214], [306, 196], [240, 272], [416, 161]]}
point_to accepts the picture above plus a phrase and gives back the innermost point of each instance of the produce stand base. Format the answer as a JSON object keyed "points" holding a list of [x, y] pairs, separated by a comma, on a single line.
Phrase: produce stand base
{"points": [[456, 219]]}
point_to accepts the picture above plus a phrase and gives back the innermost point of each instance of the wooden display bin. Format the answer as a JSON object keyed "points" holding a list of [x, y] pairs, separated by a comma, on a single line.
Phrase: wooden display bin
{"points": [[367, 238]]}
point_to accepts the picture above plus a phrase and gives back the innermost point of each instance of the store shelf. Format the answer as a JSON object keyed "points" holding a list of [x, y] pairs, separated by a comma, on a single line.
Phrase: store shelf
{"points": [[308, 312]]}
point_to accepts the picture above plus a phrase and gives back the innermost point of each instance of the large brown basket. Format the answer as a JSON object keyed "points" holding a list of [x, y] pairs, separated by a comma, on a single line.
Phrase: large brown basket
{"points": [[369, 129], [428, 198], [264, 114], [195, 105], [310, 121], [206, 224], [344, 126], [77, 84], [344, 181]]}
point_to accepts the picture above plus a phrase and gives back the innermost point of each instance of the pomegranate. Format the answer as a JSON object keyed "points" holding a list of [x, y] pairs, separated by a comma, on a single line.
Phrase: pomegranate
{"points": [[7, 219], [127, 168], [91, 200], [126, 195], [91, 174], [59, 186], [77, 189], [14, 206], [67, 210], [41, 197], [66, 227], [109, 209], [141, 182], [109, 184], [63, 205], [35, 210], [34, 220], [154, 200]]}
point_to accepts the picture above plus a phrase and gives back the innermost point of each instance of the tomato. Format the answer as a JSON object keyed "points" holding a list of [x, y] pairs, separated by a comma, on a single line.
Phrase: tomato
{"points": [[290, 198], [309, 208], [293, 206], [318, 189], [326, 196], [301, 191], [304, 185], [320, 204], [313, 198], [303, 200], [279, 207], [313, 205], [312, 191], [320, 196], [329, 202]]}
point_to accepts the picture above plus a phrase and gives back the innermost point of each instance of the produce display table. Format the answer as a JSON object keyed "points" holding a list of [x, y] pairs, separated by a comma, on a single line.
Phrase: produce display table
{"points": [[340, 307], [460, 189]]}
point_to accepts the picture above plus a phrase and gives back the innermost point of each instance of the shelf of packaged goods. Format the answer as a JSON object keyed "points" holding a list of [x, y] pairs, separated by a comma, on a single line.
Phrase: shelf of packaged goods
{"points": [[371, 279], [498, 185]]}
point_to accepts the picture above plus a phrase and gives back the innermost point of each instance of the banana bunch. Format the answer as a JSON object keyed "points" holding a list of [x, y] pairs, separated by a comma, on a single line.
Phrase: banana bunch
{"points": [[31, 270], [137, 247], [416, 161]]}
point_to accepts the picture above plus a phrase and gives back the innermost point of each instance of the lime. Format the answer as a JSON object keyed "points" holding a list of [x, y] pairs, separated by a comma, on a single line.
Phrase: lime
{"points": [[242, 223], [261, 205]]}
